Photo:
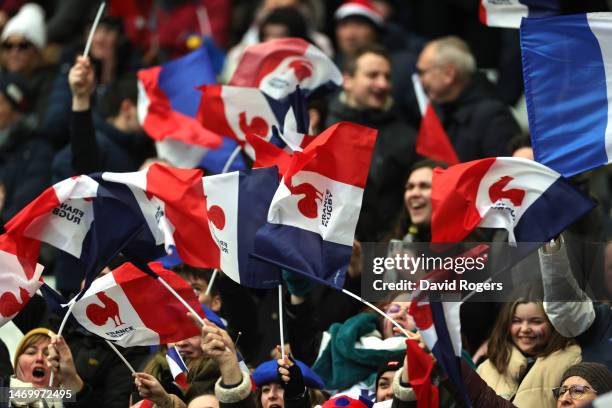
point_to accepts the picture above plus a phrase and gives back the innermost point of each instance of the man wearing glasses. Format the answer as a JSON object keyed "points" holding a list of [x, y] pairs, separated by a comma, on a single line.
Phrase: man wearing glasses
{"points": [[477, 122]]}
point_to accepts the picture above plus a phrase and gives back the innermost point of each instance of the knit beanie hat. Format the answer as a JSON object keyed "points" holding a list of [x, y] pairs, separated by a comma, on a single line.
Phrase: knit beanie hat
{"points": [[19, 350], [30, 23], [596, 374]]}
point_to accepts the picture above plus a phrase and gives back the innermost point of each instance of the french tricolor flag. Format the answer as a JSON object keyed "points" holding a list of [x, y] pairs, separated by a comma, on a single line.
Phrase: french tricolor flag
{"points": [[313, 215], [568, 87], [508, 13], [237, 207], [20, 276], [178, 368], [132, 308], [168, 99], [80, 217], [438, 323], [276, 67], [532, 202]]}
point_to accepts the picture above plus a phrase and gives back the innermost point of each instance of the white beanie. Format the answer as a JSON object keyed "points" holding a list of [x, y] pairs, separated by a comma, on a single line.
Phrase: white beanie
{"points": [[30, 23]]}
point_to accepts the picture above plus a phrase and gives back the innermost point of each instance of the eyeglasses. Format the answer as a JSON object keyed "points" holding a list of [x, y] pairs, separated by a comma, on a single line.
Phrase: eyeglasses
{"points": [[576, 391], [21, 46]]}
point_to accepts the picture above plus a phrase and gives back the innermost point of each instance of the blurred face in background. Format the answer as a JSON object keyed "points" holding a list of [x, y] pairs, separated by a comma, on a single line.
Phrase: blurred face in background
{"points": [[417, 196], [370, 86], [104, 42], [190, 348], [18, 54], [353, 34], [272, 396], [273, 31]]}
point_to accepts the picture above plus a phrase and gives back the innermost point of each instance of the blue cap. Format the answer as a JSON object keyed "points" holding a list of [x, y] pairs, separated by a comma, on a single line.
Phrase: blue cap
{"points": [[267, 373]]}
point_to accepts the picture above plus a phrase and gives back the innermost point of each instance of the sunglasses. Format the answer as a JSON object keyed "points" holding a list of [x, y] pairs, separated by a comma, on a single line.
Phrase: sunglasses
{"points": [[576, 391], [21, 46]]}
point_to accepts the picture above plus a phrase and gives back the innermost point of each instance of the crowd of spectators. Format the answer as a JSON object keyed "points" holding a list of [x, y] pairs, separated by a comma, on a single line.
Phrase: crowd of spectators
{"points": [[64, 114]]}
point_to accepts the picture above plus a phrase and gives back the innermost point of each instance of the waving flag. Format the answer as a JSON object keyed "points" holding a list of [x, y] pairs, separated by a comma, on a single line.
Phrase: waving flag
{"points": [[531, 201], [566, 69], [313, 216], [173, 204], [236, 111], [131, 308], [438, 323], [508, 13], [178, 368], [168, 99], [238, 205], [432, 140], [20, 278], [276, 67], [80, 217], [420, 367]]}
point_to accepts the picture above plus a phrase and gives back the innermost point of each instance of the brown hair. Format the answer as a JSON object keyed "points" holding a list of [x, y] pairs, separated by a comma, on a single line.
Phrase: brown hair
{"points": [[350, 66], [500, 343]]}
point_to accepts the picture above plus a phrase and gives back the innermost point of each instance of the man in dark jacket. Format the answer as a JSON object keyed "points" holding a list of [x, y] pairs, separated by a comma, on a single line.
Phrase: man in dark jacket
{"points": [[478, 124], [366, 100], [24, 156]]}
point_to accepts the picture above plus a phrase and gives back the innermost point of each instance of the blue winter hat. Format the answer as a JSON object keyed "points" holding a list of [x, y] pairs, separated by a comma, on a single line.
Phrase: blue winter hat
{"points": [[268, 372]]}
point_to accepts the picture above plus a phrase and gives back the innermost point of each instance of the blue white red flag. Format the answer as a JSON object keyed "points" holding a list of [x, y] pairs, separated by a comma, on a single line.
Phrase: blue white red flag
{"points": [[313, 216], [532, 202], [80, 217], [20, 277], [566, 69], [276, 67], [173, 205], [438, 323], [131, 308], [237, 206], [508, 13], [168, 99], [178, 368], [237, 111]]}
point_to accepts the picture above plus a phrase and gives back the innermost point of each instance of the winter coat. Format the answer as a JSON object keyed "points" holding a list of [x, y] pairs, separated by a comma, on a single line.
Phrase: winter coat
{"points": [[535, 388], [478, 124]]}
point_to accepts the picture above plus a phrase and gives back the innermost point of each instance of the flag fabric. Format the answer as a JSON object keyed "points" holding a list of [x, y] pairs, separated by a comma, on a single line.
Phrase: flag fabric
{"points": [[313, 215], [177, 366], [420, 367], [438, 323], [168, 99], [276, 67], [80, 217], [432, 140], [173, 205], [237, 111], [215, 159], [131, 308], [532, 202], [237, 207], [508, 13], [566, 70], [20, 278]]}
